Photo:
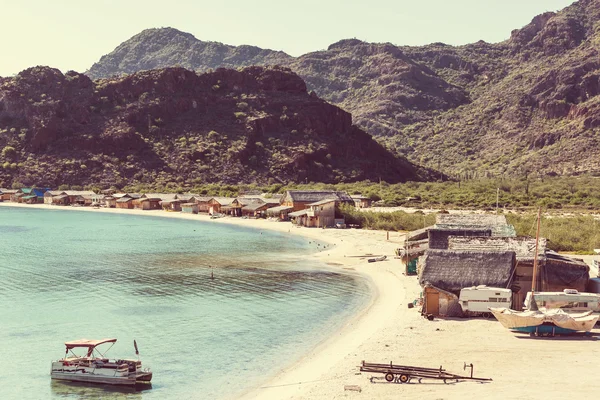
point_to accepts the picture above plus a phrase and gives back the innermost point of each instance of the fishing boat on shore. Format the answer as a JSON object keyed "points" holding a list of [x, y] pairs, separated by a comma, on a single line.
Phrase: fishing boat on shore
{"points": [[94, 367], [543, 322]]}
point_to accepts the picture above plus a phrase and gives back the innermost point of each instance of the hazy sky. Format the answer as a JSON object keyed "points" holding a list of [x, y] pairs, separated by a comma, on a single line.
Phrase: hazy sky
{"points": [[73, 34]]}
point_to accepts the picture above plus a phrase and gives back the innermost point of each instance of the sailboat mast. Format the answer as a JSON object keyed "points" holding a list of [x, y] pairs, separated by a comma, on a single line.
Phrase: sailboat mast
{"points": [[535, 256]]}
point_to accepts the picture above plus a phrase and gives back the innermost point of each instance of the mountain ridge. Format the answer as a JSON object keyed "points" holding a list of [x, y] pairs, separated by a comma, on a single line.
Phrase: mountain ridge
{"points": [[528, 103], [174, 127]]}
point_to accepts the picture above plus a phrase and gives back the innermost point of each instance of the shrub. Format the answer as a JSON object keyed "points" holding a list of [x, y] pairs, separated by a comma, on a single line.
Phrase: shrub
{"points": [[9, 152]]}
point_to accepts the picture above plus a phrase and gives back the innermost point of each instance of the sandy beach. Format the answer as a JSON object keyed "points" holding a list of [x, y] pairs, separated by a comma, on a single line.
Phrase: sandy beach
{"points": [[387, 330]]}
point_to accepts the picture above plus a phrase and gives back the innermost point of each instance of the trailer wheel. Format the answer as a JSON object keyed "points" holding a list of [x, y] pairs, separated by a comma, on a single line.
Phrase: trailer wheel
{"points": [[404, 378], [389, 377], [487, 315]]}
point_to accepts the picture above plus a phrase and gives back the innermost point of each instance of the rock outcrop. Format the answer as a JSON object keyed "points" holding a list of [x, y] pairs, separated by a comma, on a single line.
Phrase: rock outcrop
{"points": [[165, 126]]}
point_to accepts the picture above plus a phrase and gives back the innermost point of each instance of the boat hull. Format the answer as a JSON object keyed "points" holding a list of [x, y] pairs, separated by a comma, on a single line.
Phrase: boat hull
{"points": [[110, 375], [91, 378]]}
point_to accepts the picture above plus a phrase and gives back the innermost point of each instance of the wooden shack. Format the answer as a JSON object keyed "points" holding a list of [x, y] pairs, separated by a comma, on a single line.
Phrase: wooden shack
{"points": [[171, 205], [147, 203], [124, 202], [203, 203], [189, 208], [281, 212], [6, 193], [446, 272]]}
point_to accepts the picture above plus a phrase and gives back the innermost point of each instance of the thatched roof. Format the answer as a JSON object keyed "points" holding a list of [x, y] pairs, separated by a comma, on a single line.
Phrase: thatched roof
{"points": [[470, 219], [566, 271], [524, 247], [438, 237], [452, 270], [496, 222]]}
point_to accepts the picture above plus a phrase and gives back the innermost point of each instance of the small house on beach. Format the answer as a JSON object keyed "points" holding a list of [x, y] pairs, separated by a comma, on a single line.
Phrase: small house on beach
{"points": [[189, 208], [281, 212], [218, 205], [30, 195], [6, 193], [203, 203], [147, 203], [361, 201], [446, 272], [255, 209], [124, 202], [320, 214], [171, 205]]}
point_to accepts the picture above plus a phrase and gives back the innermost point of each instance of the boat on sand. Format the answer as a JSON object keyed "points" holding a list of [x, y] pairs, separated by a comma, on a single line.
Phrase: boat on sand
{"points": [[94, 367], [543, 322]]}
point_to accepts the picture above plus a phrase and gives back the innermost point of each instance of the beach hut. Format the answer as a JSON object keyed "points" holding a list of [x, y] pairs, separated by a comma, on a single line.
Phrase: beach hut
{"points": [[255, 210], [50, 194], [60, 200], [218, 205], [446, 272], [147, 203], [280, 212], [124, 202], [171, 205], [203, 203], [6, 193], [361, 201], [189, 208], [31, 195]]}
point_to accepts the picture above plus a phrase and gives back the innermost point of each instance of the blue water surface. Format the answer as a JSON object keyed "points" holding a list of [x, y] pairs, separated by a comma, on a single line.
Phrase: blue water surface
{"points": [[70, 274]]}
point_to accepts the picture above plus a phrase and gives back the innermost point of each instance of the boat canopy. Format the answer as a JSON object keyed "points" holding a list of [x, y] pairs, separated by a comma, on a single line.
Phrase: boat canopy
{"points": [[87, 343]]}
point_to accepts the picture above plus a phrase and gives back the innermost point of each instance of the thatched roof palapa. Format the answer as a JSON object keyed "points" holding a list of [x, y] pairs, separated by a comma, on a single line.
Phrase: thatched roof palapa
{"points": [[524, 247], [453, 270]]}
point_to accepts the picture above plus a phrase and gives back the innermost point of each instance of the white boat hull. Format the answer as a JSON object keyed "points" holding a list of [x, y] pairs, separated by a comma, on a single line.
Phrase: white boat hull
{"points": [[523, 320], [76, 372]]}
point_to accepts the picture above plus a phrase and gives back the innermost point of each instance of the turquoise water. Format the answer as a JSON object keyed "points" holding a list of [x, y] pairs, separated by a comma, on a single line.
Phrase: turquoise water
{"points": [[69, 274]]}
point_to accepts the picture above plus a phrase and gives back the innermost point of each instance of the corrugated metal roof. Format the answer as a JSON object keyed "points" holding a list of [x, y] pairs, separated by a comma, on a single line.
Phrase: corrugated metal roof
{"points": [[279, 209], [312, 196], [161, 196], [297, 213]]}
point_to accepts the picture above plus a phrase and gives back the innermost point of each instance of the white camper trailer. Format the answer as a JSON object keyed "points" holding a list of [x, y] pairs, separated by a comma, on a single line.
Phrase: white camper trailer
{"points": [[477, 300]]}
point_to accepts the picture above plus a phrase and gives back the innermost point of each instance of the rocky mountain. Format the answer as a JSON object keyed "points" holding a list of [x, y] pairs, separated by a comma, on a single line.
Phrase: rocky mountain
{"points": [[176, 127], [528, 104]]}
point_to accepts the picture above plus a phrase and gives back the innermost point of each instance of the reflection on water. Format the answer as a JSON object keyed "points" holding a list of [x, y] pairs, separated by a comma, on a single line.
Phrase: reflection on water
{"points": [[71, 275]]}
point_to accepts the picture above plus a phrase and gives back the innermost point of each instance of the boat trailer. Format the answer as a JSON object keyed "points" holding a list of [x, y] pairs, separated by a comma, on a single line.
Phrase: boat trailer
{"points": [[404, 373]]}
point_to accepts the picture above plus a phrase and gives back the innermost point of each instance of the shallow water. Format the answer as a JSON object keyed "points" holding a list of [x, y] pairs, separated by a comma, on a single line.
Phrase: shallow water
{"points": [[67, 275]]}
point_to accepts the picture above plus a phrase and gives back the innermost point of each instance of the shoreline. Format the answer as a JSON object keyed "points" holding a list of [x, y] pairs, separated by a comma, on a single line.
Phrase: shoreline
{"points": [[346, 244]]}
